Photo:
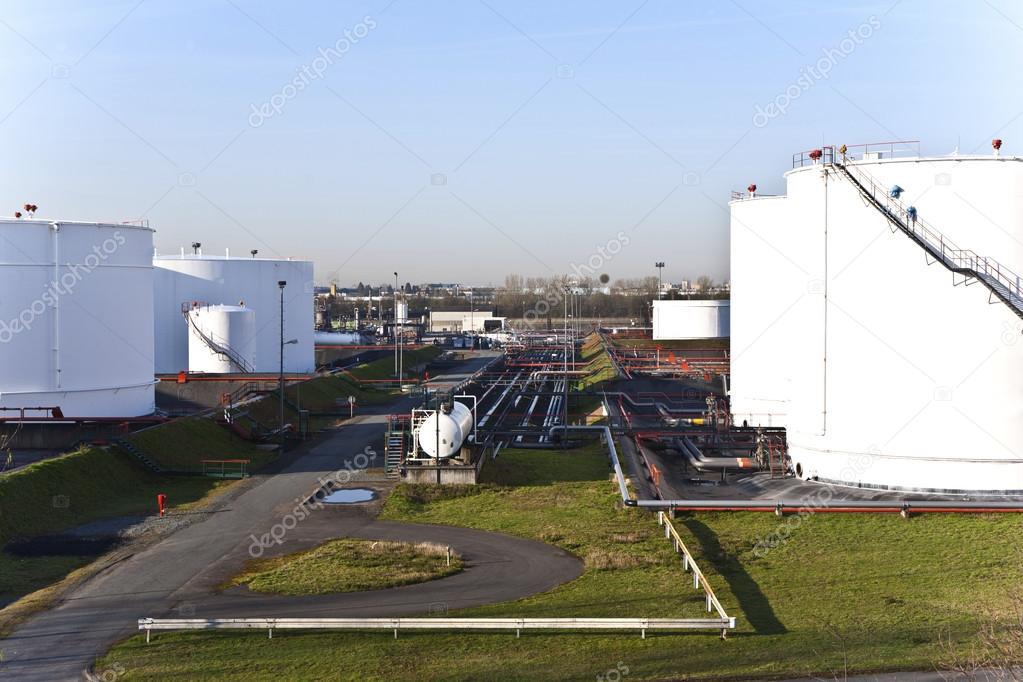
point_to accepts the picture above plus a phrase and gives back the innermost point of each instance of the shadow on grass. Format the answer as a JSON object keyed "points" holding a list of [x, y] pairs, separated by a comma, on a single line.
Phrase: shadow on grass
{"points": [[753, 602]]}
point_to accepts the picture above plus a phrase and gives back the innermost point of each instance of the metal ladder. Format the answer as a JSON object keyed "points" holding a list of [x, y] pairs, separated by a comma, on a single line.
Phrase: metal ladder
{"points": [[394, 445], [1002, 282], [213, 345]]}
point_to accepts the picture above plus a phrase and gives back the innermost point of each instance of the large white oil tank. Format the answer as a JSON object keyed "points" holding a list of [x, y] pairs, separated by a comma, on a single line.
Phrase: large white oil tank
{"points": [[221, 338], [76, 318], [449, 429], [886, 369], [702, 319], [221, 279]]}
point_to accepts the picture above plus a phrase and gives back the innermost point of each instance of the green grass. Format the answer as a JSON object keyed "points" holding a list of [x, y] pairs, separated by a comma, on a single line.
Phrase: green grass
{"points": [[384, 367], [183, 443], [348, 565], [21, 575], [326, 394], [55, 495], [598, 368], [877, 586]]}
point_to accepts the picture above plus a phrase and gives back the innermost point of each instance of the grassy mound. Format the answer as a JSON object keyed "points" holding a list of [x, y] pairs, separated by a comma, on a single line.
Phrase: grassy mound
{"points": [[349, 566]]}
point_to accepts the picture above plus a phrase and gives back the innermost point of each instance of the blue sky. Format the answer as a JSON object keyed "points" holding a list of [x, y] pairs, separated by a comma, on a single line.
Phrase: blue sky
{"points": [[464, 140]]}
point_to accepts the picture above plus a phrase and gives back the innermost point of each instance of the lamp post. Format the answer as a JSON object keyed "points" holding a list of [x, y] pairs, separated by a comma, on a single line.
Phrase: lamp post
{"points": [[398, 340], [281, 284], [660, 266], [394, 329], [564, 442]]}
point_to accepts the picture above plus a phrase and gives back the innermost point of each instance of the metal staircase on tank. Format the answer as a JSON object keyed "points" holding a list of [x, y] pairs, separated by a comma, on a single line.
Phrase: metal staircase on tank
{"points": [[215, 346], [1002, 282], [394, 444]]}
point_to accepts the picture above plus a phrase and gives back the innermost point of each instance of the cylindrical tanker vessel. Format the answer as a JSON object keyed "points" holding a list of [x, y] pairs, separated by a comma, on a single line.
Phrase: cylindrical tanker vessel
{"points": [[448, 428]]}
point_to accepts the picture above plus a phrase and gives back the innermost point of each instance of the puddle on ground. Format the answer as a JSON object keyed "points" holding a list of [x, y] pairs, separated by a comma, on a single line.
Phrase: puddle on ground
{"points": [[350, 496]]}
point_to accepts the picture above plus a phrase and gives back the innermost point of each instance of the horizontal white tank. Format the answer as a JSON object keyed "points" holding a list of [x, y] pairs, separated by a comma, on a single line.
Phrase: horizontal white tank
{"points": [[221, 339], [676, 320], [251, 282], [884, 371], [449, 430], [338, 339], [76, 318]]}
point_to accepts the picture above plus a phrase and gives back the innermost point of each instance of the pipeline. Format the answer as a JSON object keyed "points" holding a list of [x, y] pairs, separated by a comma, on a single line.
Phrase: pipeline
{"points": [[612, 452], [698, 460], [781, 506]]}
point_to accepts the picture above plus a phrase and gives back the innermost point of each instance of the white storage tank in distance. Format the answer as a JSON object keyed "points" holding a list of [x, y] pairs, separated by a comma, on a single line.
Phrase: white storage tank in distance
{"points": [[221, 339], [449, 429]]}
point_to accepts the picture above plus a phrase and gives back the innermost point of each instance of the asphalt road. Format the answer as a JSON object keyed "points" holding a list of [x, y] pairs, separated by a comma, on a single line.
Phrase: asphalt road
{"points": [[177, 576]]}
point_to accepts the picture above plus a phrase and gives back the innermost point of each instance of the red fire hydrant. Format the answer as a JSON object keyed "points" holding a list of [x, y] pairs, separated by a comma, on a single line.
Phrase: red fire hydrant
{"points": [[161, 502]]}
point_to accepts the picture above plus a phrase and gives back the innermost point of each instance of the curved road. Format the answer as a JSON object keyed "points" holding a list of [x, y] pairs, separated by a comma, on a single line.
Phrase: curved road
{"points": [[177, 576]]}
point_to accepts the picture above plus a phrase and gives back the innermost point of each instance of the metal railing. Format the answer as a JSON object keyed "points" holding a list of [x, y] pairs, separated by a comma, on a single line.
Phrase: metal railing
{"points": [[398, 624], [1002, 281], [699, 579], [891, 149], [218, 346], [810, 157]]}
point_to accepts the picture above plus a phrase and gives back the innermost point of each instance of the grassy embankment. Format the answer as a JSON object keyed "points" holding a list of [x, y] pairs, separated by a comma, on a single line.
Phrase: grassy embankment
{"points": [[598, 365], [182, 444], [349, 565], [878, 589], [680, 344], [56, 495], [328, 395]]}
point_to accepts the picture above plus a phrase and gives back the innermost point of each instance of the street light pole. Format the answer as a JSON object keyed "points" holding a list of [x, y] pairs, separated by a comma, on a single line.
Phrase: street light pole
{"points": [[660, 266], [565, 406], [394, 329], [281, 284], [399, 335]]}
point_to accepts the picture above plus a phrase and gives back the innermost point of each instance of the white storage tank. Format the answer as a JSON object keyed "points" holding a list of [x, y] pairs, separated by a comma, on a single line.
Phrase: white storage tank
{"points": [[196, 277], [678, 320], [886, 369], [339, 339], [76, 318], [221, 339], [449, 429]]}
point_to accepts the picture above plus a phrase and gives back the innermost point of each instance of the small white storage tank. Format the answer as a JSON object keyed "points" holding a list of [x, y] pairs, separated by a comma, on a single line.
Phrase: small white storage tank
{"points": [[450, 429], [76, 318], [221, 339], [220, 279], [677, 320]]}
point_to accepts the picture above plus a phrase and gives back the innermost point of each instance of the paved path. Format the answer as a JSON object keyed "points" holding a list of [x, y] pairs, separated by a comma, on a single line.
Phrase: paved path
{"points": [[178, 574]]}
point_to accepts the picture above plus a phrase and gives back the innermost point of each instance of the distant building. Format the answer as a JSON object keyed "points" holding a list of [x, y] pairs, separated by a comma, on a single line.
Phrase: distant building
{"points": [[459, 321]]}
